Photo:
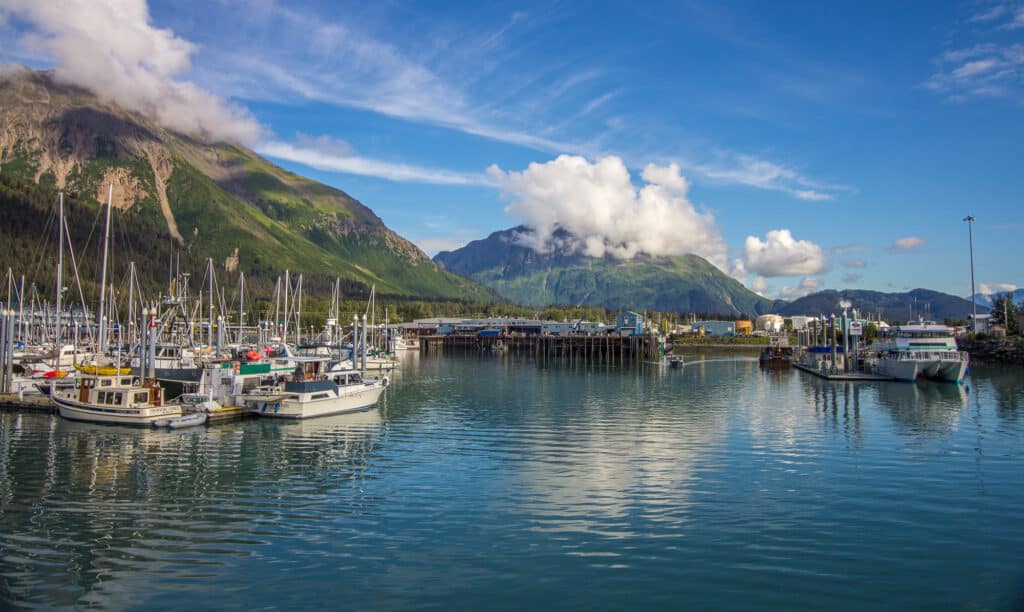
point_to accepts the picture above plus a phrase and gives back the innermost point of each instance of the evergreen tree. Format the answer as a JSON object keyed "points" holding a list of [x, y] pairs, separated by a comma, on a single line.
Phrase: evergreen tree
{"points": [[1004, 312]]}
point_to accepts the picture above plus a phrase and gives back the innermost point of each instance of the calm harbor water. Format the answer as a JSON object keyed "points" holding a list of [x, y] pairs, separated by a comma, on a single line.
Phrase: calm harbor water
{"points": [[498, 483]]}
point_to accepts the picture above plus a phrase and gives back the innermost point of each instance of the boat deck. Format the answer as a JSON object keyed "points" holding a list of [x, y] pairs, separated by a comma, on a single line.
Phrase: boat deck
{"points": [[845, 376]]}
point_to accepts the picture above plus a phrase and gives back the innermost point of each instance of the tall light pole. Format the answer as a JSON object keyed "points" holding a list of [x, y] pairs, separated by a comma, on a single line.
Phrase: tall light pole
{"points": [[974, 299]]}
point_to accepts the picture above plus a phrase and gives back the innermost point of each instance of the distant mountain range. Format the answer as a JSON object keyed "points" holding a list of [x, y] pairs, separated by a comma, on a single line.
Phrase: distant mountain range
{"points": [[566, 277], [985, 299], [891, 306], [209, 199]]}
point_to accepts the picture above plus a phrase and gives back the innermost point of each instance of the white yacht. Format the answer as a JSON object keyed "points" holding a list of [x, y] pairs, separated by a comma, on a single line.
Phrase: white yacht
{"points": [[925, 349], [335, 393], [112, 396]]}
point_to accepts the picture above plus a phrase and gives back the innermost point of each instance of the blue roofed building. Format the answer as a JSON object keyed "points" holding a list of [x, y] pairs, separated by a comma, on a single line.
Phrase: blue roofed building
{"points": [[629, 323]]}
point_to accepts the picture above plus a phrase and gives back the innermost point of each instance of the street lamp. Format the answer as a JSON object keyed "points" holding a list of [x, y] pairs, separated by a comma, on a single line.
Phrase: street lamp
{"points": [[974, 298]]}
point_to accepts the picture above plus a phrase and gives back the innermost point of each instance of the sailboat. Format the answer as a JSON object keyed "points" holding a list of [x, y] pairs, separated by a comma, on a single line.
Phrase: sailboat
{"points": [[105, 392]]}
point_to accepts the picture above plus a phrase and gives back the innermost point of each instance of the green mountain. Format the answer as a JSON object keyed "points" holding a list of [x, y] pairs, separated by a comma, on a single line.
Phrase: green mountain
{"points": [[208, 198], [563, 276], [934, 305]]}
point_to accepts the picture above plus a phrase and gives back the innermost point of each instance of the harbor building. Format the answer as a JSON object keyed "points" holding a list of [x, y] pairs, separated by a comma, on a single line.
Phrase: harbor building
{"points": [[629, 323]]}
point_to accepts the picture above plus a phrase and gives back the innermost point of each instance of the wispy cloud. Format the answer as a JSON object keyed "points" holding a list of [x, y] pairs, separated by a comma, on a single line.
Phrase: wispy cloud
{"points": [[909, 243], [738, 168], [852, 278], [985, 70], [550, 109], [848, 248], [853, 263], [991, 14], [365, 166]]}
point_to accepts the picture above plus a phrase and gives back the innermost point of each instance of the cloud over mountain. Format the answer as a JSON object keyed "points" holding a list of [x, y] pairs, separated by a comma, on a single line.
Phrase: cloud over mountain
{"points": [[110, 48], [779, 254], [598, 203]]}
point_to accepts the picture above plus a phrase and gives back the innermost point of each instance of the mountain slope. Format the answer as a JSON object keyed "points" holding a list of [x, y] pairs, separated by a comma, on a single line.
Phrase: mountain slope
{"points": [[210, 198], [892, 306], [564, 276]]}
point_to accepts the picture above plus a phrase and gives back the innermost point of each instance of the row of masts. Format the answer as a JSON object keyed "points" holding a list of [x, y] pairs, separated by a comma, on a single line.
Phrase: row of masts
{"points": [[286, 325]]}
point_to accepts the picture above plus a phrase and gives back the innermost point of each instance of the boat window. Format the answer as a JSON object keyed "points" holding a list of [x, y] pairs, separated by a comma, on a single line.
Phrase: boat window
{"points": [[141, 397], [126, 382], [319, 396], [117, 398], [101, 397], [105, 382]]}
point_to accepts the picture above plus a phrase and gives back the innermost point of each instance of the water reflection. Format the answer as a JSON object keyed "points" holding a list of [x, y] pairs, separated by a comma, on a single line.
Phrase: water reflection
{"points": [[87, 507], [923, 407]]}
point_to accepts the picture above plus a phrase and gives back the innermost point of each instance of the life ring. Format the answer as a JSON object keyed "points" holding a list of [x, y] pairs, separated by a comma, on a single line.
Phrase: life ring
{"points": [[237, 367]]}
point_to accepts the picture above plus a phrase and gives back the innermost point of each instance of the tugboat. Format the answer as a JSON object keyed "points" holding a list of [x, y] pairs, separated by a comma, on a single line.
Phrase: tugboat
{"points": [[778, 355]]}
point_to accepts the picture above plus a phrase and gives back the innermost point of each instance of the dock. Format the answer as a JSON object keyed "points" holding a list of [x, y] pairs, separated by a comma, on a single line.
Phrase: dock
{"points": [[33, 402], [844, 376], [39, 404]]}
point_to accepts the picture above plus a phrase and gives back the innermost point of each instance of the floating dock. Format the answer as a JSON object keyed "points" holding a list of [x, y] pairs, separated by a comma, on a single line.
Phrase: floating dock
{"points": [[844, 376], [41, 404], [34, 402]]}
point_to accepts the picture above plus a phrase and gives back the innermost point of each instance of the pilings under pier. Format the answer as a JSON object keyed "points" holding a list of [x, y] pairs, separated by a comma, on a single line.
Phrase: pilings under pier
{"points": [[610, 349]]}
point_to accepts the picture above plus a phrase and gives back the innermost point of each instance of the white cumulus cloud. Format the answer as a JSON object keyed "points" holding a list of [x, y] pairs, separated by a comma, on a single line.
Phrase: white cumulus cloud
{"points": [[807, 286], [111, 48], [779, 254], [990, 288], [598, 203], [759, 285], [909, 243]]}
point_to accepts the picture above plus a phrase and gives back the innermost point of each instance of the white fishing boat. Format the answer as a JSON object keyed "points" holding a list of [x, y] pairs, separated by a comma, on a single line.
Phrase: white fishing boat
{"points": [[113, 397], [335, 393], [922, 350]]}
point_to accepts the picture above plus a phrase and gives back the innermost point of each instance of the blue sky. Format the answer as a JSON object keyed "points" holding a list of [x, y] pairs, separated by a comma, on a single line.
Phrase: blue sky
{"points": [[799, 146]]}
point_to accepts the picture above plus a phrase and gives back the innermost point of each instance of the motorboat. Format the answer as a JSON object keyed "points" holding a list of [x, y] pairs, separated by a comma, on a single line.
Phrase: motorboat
{"points": [[333, 393]]}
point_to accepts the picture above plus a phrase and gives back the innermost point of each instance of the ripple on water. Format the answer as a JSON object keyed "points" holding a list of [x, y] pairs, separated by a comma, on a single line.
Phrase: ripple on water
{"points": [[495, 483]]}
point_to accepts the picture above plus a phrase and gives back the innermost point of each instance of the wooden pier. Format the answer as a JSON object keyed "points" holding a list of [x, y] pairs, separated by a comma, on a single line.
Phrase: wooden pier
{"points": [[610, 349]]}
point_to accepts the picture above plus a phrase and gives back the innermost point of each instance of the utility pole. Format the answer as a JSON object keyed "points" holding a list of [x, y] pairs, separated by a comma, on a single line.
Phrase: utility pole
{"points": [[974, 300]]}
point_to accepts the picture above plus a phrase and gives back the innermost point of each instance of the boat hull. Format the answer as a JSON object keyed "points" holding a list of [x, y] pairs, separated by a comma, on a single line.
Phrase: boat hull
{"points": [[112, 415], [945, 370], [350, 400]]}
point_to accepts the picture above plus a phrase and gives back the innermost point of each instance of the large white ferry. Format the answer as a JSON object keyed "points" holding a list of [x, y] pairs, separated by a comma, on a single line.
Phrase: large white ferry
{"points": [[925, 349]]}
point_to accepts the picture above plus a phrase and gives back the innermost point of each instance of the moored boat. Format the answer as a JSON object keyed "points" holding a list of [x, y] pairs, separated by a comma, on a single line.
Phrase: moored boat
{"points": [[116, 399], [300, 399], [922, 350]]}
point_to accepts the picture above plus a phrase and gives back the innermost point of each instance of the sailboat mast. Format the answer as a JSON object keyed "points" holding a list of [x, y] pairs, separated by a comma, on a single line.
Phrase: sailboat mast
{"points": [[287, 290], [103, 275], [60, 270], [131, 296], [241, 304], [209, 270]]}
